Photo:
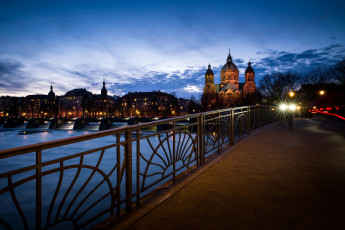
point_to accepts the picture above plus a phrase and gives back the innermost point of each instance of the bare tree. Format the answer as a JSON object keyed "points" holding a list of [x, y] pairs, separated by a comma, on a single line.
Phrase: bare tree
{"points": [[319, 75], [276, 86], [339, 72]]}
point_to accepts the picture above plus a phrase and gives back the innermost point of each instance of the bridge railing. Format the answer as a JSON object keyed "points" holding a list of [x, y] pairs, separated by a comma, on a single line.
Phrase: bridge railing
{"points": [[80, 181]]}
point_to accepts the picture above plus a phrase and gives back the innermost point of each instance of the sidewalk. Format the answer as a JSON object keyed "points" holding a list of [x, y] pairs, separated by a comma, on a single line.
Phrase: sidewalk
{"points": [[277, 179]]}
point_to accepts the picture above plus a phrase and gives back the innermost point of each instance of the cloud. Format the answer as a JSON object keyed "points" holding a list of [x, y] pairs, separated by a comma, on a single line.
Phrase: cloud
{"points": [[8, 67], [301, 61], [193, 88], [11, 76]]}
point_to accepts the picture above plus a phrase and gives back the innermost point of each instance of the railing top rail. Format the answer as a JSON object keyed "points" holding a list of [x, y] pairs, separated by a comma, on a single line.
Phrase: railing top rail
{"points": [[70, 140]]}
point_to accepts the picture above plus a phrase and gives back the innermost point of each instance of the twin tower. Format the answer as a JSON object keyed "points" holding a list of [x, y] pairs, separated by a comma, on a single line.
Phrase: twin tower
{"points": [[229, 84]]}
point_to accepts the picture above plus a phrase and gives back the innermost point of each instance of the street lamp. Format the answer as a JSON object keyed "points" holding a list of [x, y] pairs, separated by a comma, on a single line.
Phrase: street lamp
{"points": [[292, 94], [322, 92]]}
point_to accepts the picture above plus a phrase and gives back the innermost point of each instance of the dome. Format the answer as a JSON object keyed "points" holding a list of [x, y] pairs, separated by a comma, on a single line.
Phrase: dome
{"points": [[249, 68], [209, 71], [78, 92], [229, 65]]}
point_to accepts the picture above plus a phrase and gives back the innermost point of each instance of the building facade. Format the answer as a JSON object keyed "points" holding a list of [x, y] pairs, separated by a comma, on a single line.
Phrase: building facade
{"points": [[31, 106], [230, 92], [149, 104], [83, 103]]}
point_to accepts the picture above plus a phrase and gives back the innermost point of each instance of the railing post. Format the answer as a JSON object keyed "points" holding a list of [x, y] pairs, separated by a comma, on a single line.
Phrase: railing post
{"points": [[218, 133], [241, 123], [200, 140], [138, 166], [128, 162], [118, 182], [174, 153], [38, 189], [248, 121], [232, 129]]}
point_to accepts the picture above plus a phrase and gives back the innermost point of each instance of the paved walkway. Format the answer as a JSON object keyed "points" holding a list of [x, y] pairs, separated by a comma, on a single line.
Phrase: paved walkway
{"points": [[277, 179]]}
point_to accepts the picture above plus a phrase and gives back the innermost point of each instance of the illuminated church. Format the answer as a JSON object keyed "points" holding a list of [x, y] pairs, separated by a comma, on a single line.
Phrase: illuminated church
{"points": [[230, 91]]}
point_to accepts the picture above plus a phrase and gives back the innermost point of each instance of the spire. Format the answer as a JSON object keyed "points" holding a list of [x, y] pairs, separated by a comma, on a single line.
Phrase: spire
{"points": [[209, 70], [104, 91], [51, 94], [229, 59], [249, 68]]}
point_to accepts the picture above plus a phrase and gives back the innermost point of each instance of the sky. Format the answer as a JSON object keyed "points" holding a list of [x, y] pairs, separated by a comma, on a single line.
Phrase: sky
{"points": [[147, 45]]}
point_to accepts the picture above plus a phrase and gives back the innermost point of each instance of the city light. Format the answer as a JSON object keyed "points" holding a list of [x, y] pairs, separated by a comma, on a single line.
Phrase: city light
{"points": [[284, 107], [292, 107], [292, 94], [322, 92]]}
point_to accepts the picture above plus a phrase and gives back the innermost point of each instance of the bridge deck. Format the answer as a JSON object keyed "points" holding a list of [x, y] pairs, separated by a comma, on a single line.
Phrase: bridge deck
{"points": [[277, 179]]}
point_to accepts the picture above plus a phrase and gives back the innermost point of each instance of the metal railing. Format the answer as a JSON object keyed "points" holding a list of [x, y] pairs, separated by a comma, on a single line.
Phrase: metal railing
{"points": [[80, 181]]}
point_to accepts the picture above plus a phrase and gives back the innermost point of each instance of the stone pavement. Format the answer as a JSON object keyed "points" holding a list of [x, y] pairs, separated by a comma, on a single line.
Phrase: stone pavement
{"points": [[276, 179]]}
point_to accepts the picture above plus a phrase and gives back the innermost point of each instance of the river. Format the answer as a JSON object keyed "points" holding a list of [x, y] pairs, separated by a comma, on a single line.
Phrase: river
{"points": [[20, 136]]}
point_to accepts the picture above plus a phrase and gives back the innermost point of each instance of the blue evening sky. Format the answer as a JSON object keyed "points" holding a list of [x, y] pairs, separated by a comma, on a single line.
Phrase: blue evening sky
{"points": [[159, 45]]}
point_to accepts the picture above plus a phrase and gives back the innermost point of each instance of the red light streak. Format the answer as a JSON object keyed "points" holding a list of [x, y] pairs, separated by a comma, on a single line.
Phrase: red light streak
{"points": [[336, 115]]}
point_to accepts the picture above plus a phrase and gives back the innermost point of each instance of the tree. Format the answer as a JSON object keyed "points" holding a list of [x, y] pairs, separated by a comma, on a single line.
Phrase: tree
{"points": [[276, 86], [339, 72], [318, 75]]}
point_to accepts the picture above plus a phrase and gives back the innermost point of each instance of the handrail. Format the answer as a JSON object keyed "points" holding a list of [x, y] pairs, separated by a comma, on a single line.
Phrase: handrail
{"points": [[56, 143], [65, 141]]}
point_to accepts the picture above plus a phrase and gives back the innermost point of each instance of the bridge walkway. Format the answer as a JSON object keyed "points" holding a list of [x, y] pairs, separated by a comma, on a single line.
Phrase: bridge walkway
{"points": [[276, 179]]}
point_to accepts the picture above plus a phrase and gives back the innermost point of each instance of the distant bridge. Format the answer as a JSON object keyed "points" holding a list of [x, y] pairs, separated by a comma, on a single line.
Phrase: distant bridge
{"points": [[76, 123]]}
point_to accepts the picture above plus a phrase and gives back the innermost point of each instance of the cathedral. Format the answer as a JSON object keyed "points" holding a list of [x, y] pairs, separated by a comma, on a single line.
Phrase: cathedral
{"points": [[229, 91]]}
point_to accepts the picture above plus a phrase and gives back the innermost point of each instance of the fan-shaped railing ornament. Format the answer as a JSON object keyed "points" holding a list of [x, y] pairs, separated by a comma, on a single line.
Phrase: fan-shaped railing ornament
{"points": [[165, 154]]}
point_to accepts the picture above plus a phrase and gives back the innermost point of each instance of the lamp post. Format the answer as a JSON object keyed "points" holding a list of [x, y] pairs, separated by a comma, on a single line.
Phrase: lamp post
{"points": [[291, 108], [322, 93]]}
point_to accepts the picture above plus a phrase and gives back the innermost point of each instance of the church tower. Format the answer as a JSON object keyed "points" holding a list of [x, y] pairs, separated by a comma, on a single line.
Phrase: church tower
{"points": [[51, 94], [104, 91], [209, 82], [249, 86]]}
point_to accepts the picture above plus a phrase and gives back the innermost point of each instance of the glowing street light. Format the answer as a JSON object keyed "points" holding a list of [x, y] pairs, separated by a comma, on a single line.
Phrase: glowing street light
{"points": [[322, 92], [292, 107], [292, 94], [283, 107]]}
